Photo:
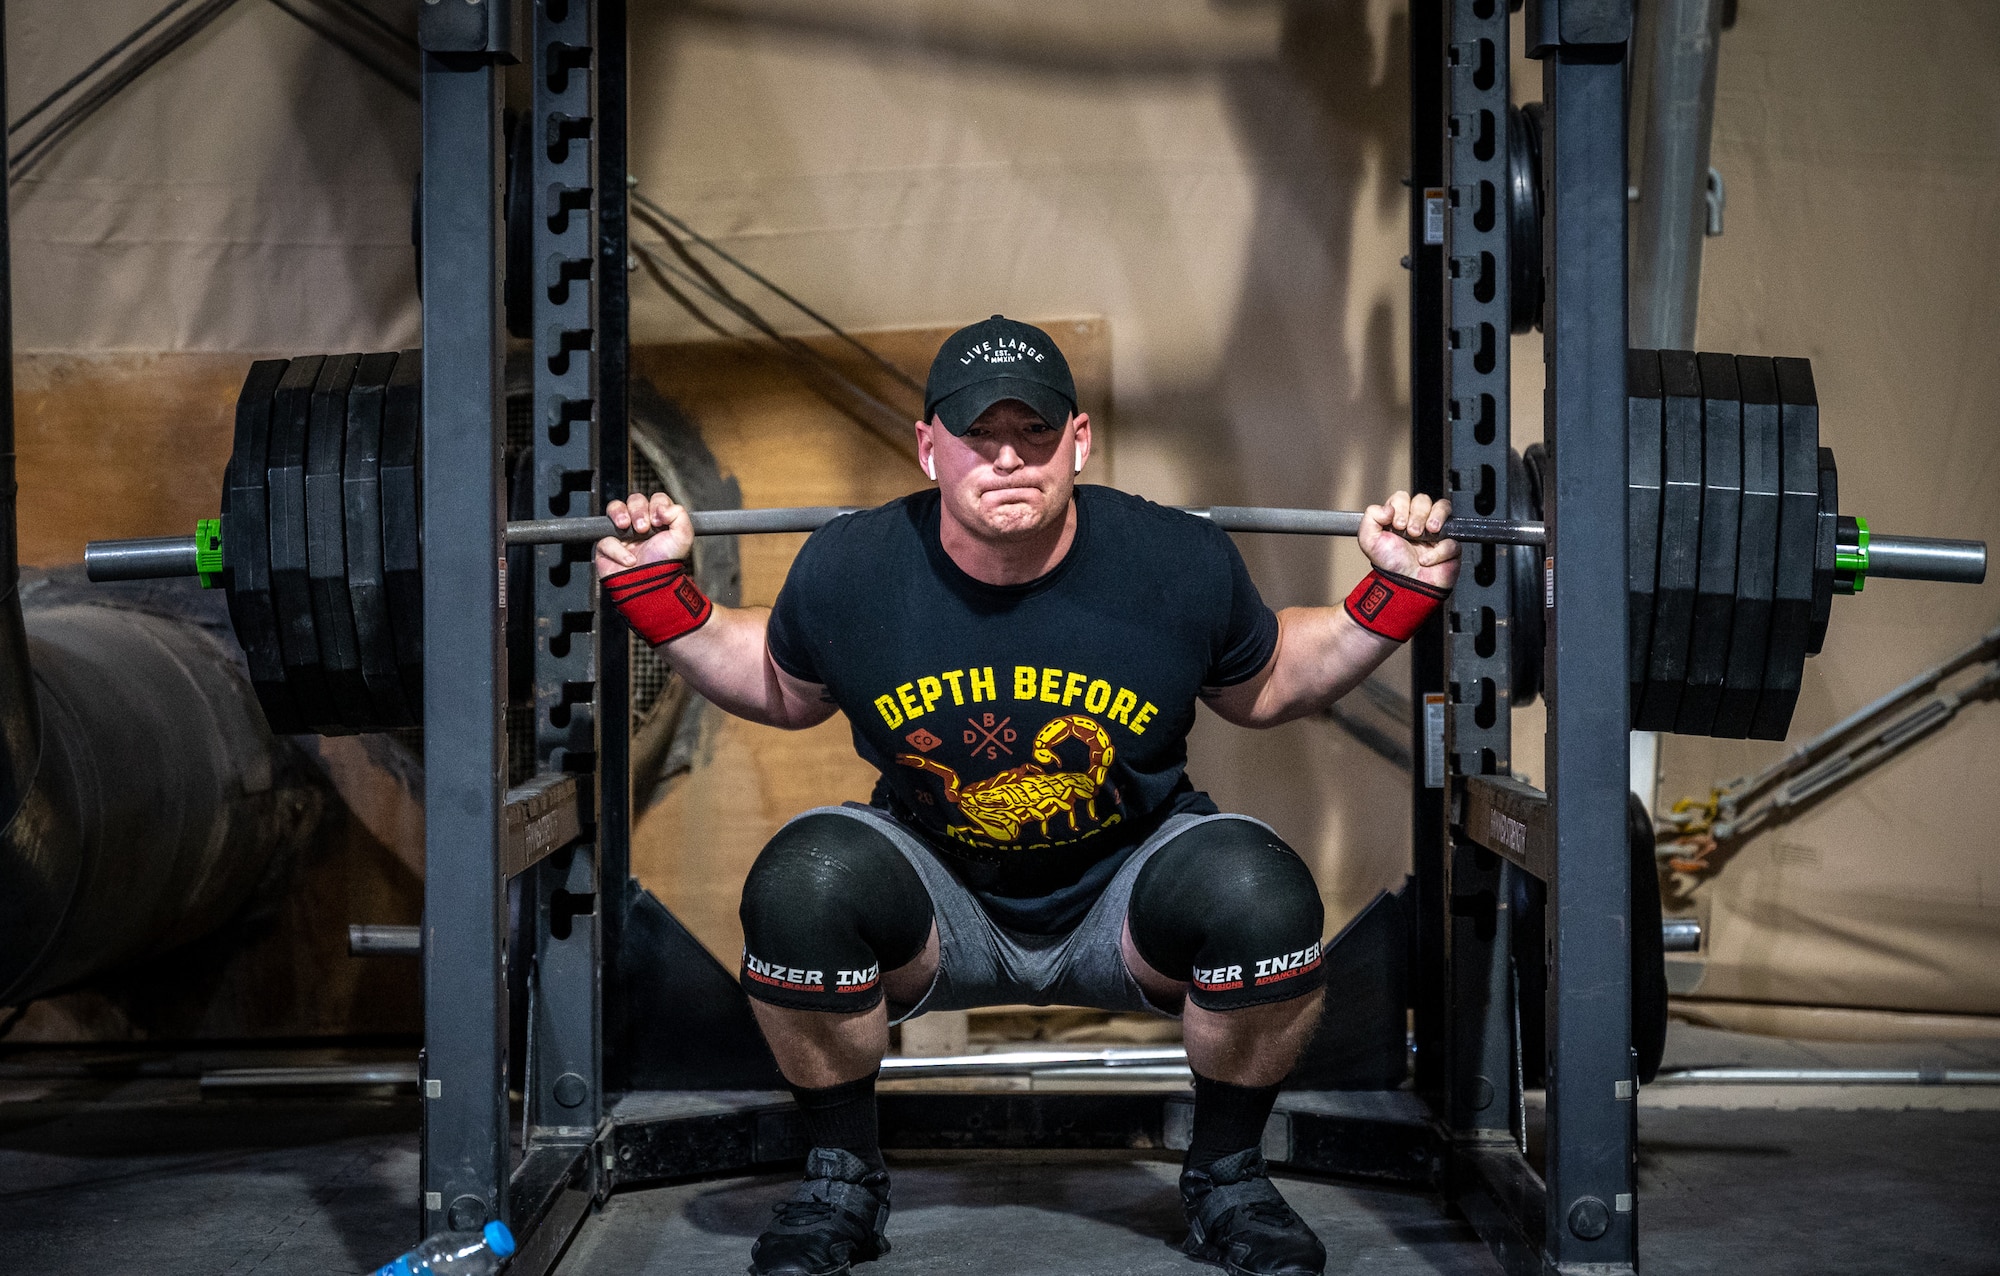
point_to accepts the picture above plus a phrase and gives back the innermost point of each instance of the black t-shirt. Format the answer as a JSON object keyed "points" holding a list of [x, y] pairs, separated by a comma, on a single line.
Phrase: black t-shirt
{"points": [[1031, 734]]}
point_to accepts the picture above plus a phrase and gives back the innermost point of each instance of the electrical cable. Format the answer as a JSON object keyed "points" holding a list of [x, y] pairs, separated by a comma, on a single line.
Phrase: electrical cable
{"points": [[720, 292], [658, 271], [99, 61], [404, 84], [819, 375], [832, 327], [141, 60], [164, 43], [377, 21], [695, 274]]}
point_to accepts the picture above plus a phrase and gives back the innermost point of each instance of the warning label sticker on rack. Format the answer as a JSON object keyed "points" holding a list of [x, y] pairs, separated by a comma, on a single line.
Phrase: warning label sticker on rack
{"points": [[1434, 739]]}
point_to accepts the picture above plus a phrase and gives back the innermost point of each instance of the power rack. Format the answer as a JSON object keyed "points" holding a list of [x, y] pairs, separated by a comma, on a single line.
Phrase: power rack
{"points": [[1525, 947]]}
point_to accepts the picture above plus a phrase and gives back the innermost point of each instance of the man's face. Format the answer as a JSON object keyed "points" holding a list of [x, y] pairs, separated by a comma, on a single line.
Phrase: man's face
{"points": [[1011, 474]]}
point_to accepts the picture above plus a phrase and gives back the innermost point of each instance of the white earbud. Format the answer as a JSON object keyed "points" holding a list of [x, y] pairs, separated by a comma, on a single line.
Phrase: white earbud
{"points": [[930, 468], [1079, 462]]}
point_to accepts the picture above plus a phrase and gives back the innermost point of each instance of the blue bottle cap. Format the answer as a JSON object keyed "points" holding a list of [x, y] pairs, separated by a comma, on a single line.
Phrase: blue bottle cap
{"points": [[499, 1239]]}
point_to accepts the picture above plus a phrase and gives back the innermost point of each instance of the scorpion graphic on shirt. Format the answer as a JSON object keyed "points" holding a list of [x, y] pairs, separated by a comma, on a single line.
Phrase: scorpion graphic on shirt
{"points": [[999, 806]]}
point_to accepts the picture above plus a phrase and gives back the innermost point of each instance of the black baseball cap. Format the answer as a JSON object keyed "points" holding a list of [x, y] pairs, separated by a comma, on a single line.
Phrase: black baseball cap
{"points": [[995, 359]]}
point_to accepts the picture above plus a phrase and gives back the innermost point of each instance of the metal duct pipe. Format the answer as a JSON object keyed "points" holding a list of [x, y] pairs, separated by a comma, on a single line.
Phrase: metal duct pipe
{"points": [[158, 804], [1672, 124], [19, 731], [141, 794]]}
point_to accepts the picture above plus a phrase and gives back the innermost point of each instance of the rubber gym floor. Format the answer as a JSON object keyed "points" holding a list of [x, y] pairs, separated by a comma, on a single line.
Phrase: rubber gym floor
{"points": [[113, 1163]]}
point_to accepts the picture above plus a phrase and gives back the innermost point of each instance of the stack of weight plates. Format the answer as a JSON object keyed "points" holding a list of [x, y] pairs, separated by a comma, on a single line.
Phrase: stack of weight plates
{"points": [[1732, 508], [320, 538]]}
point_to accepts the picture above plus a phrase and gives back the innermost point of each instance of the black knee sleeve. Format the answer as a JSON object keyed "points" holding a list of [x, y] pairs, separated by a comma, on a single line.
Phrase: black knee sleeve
{"points": [[828, 906], [1232, 910]]}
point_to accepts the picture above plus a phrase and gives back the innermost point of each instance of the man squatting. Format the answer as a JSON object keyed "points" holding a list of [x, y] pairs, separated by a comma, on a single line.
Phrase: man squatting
{"points": [[1020, 657]]}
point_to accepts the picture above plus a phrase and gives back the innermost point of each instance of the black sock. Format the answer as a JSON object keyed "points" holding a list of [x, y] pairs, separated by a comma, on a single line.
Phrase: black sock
{"points": [[1227, 1119], [843, 1116]]}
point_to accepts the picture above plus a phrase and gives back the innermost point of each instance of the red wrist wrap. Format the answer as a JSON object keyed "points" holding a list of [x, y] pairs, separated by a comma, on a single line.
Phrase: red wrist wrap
{"points": [[1391, 605], [659, 600]]}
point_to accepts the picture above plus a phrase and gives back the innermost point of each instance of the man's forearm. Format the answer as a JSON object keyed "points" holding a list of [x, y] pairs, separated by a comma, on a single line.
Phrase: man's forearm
{"points": [[726, 661], [1322, 655]]}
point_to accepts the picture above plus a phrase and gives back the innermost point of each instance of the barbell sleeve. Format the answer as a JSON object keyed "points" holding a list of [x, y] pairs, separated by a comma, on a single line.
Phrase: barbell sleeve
{"points": [[153, 558], [1926, 558]]}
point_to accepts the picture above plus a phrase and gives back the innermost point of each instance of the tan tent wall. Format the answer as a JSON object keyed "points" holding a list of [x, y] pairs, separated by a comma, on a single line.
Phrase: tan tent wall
{"points": [[1862, 157], [1218, 183], [250, 193]]}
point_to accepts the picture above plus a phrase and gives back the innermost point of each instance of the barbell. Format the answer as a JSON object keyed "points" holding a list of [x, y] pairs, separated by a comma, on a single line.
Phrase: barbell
{"points": [[1737, 545], [160, 557]]}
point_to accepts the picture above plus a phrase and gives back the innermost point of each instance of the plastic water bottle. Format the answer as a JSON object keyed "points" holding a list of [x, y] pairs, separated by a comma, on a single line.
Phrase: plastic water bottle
{"points": [[455, 1254]]}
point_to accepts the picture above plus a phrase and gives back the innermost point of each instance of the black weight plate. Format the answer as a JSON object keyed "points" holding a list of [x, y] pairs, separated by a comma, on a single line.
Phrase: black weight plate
{"points": [[1721, 512], [1824, 551], [1798, 547], [1680, 541], [326, 543], [1646, 943], [1795, 387], [1525, 621], [402, 537], [1524, 217], [361, 500], [1798, 395], [246, 547], [1756, 548], [291, 581], [1645, 409]]}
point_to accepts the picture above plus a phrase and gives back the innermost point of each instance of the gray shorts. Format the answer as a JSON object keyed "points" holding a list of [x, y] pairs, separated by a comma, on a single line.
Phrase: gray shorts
{"points": [[981, 963]]}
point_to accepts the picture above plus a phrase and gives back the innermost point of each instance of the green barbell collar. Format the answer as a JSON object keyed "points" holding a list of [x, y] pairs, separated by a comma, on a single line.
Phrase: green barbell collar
{"points": [[208, 559], [1852, 563]]}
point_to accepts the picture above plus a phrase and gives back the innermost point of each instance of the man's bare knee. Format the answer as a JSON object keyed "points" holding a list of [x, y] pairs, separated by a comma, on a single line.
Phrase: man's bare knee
{"points": [[1254, 1045], [819, 1048]]}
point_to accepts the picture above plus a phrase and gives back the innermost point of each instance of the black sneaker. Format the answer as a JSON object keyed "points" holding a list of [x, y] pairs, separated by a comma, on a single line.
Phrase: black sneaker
{"points": [[831, 1221], [1237, 1219]]}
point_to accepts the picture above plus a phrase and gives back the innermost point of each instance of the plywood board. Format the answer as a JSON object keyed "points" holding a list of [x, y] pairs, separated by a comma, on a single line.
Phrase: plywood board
{"points": [[111, 446]]}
